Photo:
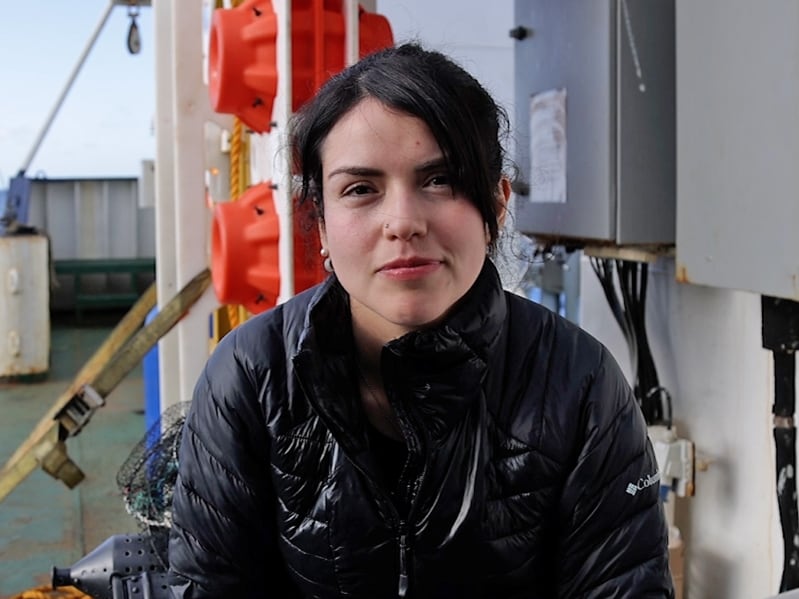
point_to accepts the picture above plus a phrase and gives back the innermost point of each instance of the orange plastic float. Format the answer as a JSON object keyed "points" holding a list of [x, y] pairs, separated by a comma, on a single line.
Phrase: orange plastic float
{"points": [[244, 250], [242, 62], [375, 32], [242, 54]]}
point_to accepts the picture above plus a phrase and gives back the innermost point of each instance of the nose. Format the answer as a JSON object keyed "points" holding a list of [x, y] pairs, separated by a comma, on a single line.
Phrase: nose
{"points": [[404, 215]]}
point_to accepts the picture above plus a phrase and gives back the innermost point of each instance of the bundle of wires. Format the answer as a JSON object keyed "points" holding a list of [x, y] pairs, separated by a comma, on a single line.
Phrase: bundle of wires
{"points": [[629, 312]]}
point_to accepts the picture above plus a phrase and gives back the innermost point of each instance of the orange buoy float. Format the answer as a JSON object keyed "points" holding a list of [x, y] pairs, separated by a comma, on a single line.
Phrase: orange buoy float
{"points": [[242, 62], [242, 54], [245, 253]]}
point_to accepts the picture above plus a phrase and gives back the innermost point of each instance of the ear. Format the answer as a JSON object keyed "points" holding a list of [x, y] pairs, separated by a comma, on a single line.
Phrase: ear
{"points": [[322, 233], [503, 196]]}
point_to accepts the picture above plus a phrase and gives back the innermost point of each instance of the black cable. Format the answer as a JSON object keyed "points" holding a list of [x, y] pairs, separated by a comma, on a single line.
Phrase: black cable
{"points": [[648, 377], [785, 450], [623, 273], [630, 313], [665, 403], [780, 331], [604, 271]]}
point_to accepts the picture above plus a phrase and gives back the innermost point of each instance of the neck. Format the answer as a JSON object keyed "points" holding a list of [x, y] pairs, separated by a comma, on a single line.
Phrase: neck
{"points": [[376, 405], [370, 337], [369, 342]]}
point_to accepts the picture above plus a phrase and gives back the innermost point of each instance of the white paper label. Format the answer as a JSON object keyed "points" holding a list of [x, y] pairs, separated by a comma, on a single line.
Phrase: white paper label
{"points": [[548, 146]]}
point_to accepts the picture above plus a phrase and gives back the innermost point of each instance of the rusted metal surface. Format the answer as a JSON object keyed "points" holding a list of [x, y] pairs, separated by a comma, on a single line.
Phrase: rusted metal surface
{"points": [[633, 253], [681, 275]]}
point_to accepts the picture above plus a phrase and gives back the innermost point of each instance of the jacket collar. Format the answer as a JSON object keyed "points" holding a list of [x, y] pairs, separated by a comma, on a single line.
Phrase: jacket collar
{"points": [[436, 374], [476, 320]]}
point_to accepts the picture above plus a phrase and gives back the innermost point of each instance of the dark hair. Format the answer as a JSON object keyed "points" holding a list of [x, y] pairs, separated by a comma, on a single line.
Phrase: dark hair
{"points": [[462, 116]]}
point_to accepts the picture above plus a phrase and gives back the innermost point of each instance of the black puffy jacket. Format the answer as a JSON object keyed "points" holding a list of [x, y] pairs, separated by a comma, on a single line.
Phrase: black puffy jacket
{"points": [[529, 473]]}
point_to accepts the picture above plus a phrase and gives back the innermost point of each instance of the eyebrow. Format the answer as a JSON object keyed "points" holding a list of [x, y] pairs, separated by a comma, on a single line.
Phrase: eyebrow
{"points": [[365, 171], [432, 165], [356, 171]]}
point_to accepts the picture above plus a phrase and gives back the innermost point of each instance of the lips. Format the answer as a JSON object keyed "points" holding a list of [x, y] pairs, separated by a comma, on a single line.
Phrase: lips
{"points": [[409, 268], [408, 263]]}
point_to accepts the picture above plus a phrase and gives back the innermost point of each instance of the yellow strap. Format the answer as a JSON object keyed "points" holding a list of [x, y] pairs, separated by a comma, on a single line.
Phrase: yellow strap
{"points": [[45, 445], [47, 592]]}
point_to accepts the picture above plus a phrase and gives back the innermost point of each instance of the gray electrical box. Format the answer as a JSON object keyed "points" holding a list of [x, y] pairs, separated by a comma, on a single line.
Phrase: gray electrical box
{"points": [[595, 121], [738, 142]]}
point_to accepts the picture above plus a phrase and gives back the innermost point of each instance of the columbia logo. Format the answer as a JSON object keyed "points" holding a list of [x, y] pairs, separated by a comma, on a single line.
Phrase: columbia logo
{"points": [[643, 483]]}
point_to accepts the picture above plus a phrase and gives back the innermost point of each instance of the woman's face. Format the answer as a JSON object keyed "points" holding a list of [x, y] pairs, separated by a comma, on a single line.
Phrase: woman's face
{"points": [[403, 244]]}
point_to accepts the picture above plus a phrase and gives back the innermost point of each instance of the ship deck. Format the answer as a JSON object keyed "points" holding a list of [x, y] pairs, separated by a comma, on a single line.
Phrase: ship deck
{"points": [[43, 523]]}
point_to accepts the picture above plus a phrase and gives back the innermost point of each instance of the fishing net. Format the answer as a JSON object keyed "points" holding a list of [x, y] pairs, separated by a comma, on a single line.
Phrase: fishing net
{"points": [[147, 477]]}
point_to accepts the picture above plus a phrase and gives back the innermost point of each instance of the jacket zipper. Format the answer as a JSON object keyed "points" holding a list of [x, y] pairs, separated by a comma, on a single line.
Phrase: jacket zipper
{"points": [[402, 589], [402, 532], [402, 526], [411, 493]]}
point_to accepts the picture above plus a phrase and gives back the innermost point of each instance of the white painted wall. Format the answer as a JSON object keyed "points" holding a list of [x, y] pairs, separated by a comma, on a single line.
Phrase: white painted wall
{"points": [[707, 347], [473, 32]]}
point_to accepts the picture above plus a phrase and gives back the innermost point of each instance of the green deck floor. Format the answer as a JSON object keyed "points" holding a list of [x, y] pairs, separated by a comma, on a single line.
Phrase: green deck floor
{"points": [[43, 523]]}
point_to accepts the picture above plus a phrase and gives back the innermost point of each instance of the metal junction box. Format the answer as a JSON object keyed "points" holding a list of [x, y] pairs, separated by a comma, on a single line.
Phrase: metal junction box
{"points": [[595, 121], [738, 142]]}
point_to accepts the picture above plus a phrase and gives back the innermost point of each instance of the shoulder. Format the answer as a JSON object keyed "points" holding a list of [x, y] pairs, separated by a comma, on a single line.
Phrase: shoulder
{"points": [[255, 353], [548, 338], [558, 371], [263, 337]]}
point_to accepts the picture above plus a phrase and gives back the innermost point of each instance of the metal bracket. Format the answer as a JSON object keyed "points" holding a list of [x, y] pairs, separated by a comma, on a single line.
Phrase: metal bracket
{"points": [[79, 410]]}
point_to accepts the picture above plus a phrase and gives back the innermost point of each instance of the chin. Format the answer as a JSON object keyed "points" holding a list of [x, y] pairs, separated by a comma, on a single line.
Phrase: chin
{"points": [[413, 320]]}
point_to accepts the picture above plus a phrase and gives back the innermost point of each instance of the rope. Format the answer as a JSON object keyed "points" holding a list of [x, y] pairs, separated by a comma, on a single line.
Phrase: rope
{"points": [[235, 159], [235, 190], [47, 592]]}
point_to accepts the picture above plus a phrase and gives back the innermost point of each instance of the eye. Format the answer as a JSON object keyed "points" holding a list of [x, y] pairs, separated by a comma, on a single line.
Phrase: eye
{"points": [[358, 189], [440, 181]]}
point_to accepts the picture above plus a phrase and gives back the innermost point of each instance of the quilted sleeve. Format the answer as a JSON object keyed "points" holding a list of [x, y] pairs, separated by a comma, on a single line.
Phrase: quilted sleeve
{"points": [[614, 540], [223, 540]]}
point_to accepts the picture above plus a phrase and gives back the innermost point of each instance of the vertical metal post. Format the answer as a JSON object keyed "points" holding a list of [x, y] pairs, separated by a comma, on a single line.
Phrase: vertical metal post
{"points": [[191, 109], [282, 170], [165, 251], [352, 32]]}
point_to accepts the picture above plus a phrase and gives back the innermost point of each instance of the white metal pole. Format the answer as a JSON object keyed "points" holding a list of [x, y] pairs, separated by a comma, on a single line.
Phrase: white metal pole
{"points": [[165, 258], [191, 109], [352, 29], [282, 170]]}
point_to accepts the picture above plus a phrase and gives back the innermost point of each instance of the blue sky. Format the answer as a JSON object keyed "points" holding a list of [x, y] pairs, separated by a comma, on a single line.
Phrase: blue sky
{"points": [[105, 125]]}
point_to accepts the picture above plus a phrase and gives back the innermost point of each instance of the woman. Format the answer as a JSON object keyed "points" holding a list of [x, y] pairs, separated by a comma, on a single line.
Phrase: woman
{"points": [[407, 428]]}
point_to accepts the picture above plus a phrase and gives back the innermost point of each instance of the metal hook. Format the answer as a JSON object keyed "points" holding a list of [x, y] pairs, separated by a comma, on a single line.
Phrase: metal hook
{"points": [[134, 39]]}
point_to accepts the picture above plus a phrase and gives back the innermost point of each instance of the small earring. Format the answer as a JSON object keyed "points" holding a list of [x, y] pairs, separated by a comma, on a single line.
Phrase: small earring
{"points": [[327, 263]]}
